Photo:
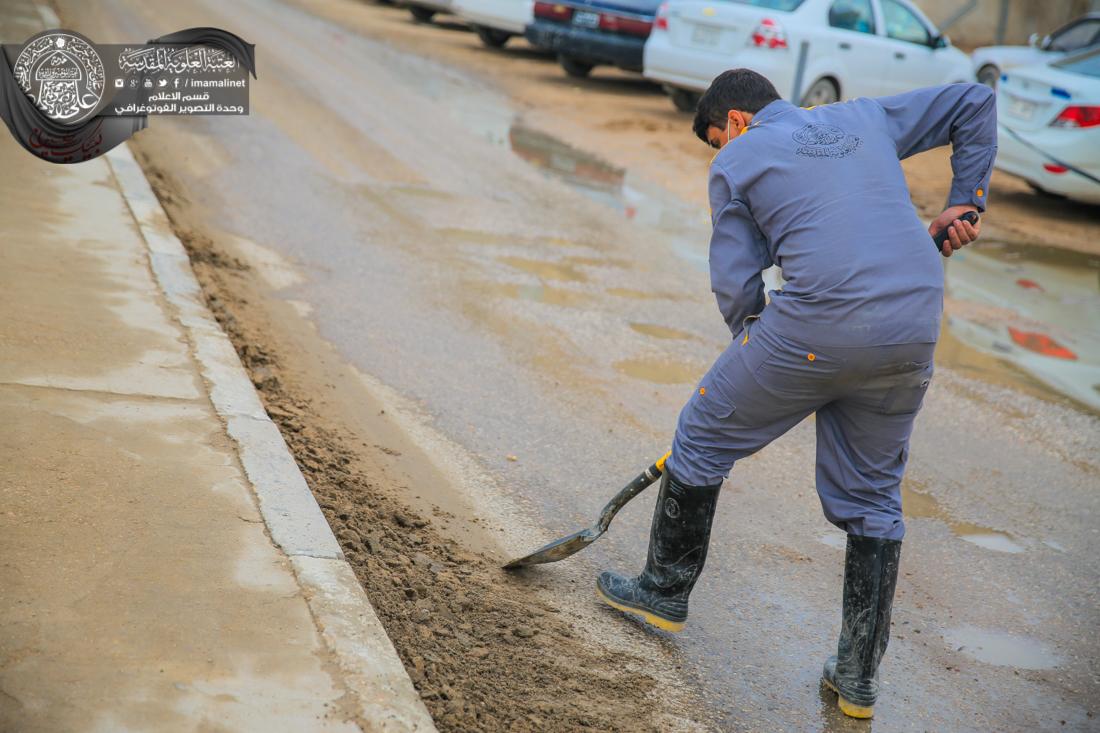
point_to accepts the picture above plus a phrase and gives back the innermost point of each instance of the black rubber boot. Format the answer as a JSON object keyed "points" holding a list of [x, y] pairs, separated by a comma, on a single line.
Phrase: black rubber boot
{"points": [[870, 575], [678, 542]]}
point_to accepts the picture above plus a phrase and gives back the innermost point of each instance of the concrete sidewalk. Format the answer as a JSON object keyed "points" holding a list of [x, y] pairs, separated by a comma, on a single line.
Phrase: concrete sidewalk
{"points": [[162, 563]]}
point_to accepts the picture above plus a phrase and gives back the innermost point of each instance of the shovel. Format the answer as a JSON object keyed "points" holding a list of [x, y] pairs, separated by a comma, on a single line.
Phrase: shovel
{"points": [[574, 543]]}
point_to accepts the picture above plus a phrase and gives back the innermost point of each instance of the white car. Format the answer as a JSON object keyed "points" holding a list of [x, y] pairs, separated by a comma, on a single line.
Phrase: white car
{"points": [[495, 21], [814, 51], [425, 10], [991, 61], [1049, 125]]}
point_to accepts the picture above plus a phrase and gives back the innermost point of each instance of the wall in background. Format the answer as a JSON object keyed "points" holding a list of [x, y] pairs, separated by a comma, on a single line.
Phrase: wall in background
{"points": [[1015, 19]]}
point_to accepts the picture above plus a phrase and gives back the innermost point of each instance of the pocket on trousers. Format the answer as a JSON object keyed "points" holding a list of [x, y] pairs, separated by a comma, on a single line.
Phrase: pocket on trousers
{"points": [[754, 348], [907, 393], [713, 396], [713, 401]]}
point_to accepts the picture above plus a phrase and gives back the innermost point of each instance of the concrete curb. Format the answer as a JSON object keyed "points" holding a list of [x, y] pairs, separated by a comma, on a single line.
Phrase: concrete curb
{"points": [[385, 698]]}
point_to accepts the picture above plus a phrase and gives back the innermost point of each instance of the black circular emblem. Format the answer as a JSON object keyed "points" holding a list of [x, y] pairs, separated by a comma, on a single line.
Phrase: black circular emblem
{"points": [[63, 74]]}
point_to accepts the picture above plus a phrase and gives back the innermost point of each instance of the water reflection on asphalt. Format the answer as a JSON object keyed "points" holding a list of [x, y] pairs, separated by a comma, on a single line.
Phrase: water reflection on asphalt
{"points": [[918, 503], [686, 228], [1028, 316], [1000, 648]]}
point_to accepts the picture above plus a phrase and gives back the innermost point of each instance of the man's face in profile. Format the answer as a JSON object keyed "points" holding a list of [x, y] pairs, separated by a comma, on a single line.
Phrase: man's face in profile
{"points": [[716, 137], [736, 122]]}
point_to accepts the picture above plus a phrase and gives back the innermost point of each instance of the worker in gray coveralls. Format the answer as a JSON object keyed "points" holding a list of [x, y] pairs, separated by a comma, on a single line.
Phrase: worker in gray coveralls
{"points": [[850, 337]]}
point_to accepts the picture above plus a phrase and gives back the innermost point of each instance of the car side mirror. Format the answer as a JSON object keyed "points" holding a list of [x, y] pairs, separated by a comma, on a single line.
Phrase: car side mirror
{"points": [[938, 41], [1033, 40]]}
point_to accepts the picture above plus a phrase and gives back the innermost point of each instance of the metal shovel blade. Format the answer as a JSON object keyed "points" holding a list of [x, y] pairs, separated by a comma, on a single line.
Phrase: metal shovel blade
{"points": [[570, 545], [559, 549]]}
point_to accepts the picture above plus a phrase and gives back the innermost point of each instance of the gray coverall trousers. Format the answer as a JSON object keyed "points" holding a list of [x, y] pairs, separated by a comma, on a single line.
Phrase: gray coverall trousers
{"points": [[865, 399]]}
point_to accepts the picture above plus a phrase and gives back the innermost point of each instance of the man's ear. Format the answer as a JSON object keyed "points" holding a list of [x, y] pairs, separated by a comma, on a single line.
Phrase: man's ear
{"points": [[737, 120]]}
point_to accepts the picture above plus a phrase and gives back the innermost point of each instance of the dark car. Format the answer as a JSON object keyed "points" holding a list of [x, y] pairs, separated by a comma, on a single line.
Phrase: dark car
{"points": [[587, 33]]}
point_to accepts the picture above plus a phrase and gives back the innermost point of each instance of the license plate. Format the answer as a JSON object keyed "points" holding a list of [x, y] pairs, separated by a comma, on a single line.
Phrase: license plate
{"points": [[705, 35], [586, 20], [1022, 108]]}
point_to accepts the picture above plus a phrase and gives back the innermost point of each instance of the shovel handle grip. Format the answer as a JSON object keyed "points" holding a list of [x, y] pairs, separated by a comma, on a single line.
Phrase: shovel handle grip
{"points": [[970, 217], [640, 483]]}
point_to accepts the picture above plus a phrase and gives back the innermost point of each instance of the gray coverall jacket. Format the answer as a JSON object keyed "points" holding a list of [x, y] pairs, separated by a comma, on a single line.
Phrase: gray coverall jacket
{"points": [[821, 193]]}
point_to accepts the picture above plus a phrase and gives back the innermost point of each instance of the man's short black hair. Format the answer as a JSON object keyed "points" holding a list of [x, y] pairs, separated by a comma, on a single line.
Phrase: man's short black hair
{"points": [[740, 89]]}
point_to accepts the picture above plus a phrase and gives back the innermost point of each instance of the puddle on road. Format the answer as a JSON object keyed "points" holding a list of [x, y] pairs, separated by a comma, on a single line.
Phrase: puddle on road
{"points": [[600, 180], [1025, 316], [686, 229], [633, 294], [661, 332], [1000, 648], [659, 371], [542, 268], [478, 236], [417, 191], [537, 293], [597, 261], [919, 504], [996, 541]]}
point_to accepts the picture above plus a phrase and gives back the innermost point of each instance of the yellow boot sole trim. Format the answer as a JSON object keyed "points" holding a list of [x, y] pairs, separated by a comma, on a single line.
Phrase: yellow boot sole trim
{"points": [[649, 618], [849, 709]]}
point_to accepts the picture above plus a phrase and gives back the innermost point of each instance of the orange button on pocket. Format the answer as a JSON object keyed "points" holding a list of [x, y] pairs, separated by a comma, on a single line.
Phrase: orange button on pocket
{"points": [[811, 357], [702, 390]]}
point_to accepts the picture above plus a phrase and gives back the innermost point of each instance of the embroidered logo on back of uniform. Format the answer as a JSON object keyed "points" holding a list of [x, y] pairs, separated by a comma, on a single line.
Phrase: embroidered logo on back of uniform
{"points": [[824, 141]]}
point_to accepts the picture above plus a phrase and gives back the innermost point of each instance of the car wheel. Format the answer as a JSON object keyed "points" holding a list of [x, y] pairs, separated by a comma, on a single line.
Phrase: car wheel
{"points": [[422, 15], [683, 100], [575, 67], [492, 37], [823, 91], [989, 75]]}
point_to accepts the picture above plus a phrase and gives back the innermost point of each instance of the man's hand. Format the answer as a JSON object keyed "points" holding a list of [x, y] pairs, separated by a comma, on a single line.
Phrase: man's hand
{"points": [[960, 233]]}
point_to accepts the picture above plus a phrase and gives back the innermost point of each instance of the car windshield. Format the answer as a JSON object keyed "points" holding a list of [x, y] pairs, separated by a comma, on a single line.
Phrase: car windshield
{"points": [[784, 5], [1087, 64]]}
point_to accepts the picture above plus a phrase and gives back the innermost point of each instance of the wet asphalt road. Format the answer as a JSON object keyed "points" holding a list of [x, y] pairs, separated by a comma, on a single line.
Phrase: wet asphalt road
{"points": [[543, 304]]}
